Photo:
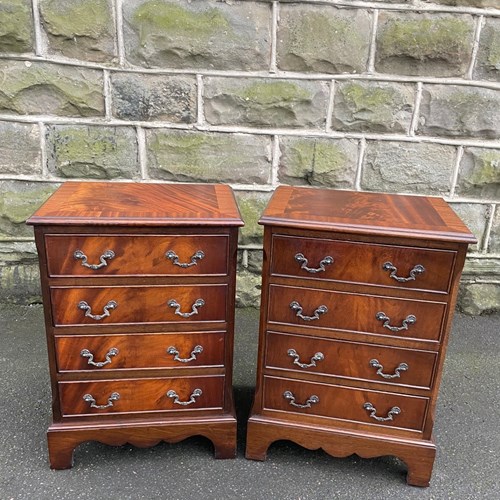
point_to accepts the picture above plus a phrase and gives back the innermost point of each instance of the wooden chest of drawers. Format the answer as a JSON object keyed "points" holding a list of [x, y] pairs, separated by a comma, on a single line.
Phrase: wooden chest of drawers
{"points": [[138, 282], [358, 295]]}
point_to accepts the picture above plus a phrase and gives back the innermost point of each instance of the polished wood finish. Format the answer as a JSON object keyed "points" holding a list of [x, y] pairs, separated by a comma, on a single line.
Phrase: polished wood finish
{"points": [[361, 287], [138, 283]]}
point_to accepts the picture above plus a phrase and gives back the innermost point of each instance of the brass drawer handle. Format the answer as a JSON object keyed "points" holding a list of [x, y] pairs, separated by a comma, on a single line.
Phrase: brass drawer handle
{"points": [[395, 410], [327, 261], [85, 353], [295, 306], [291, 400], [389, 266], [409, 320], [402, 367], [89, 399], [88, 310], [319, 356], [107, 255], [171, 255], [196, 393], [194, 307], [197, 350]]}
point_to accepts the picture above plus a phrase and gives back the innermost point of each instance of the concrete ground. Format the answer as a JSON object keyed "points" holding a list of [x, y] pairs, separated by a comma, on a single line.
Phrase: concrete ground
{"points": [[467, 433]]}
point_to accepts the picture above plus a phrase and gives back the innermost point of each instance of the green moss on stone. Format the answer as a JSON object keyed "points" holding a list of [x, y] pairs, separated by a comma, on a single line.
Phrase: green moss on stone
{"points": [[274, 93], [315, 156], [487, 169], [493, 59], [16, 26], [360, 97], [251, 210]]}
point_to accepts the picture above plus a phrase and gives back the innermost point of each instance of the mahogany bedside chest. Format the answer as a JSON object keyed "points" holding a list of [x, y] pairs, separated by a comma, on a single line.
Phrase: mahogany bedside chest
{"points": [[138, 283], [358, 295]]}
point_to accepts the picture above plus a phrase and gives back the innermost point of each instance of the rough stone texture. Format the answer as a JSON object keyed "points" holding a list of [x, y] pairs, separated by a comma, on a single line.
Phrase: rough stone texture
{"points": [[494, 243], [20, 149], [424, 44], [318, 162], [407, 167], [373, 107], [474, 217], [251, 206], [323, 39], [80, 29], [488, 57], [39, 88], [265, 102], [20, 283], [95, 152], [208, 157], [453, 110], [479, 173], [149, 97], [16, 26], [465, 3], [248, 288], [479, 298], [209, 34], [18, 200], [253, 261]]}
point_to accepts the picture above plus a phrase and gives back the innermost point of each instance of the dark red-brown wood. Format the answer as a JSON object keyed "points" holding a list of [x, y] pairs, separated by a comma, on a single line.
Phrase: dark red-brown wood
{"points": [[328, 248], [76, 231]]}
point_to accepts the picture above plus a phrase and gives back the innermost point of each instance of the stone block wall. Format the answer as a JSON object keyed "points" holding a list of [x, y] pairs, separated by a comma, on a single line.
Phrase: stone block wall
{"points": [[399, 96]]}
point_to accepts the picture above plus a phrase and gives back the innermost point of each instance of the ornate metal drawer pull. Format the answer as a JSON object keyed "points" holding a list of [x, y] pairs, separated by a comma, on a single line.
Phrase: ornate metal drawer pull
{"points": [[401, 368], [327, 261], [171, 255], [395, 410], [107, 255], [197, 350], [196, 393], [319, 356], [88, 310], [409, 320], [85, 353], [418, 269], [89, 399], [194, 308], [295, 306], [291, 399]]}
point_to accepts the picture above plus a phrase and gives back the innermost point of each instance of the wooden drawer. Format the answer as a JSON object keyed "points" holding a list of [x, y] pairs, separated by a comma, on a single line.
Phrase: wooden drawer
{"points": [[345, 403], [152, 350], [138, 304], [366, 263], [352, 360], [355, 312], [136, 255], [141, 395]]}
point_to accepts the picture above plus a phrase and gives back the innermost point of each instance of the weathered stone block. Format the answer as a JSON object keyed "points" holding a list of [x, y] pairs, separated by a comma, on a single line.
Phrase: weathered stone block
{"points": [[468, 3], [452, 110], [318, 162], [479, 298], [20, 284], [494, 242], [20, 152], [474, 216], [151, 97], [373, 107], [253, 261], [407, 167], [323, 39], [479, 173], [16, 26], [209, 34], [96, 152], [251, 206], [248, 287], [42, 88], [424, 44], [208, 157], [488, 56], [18, 200], [81, 29], [265, 102]]}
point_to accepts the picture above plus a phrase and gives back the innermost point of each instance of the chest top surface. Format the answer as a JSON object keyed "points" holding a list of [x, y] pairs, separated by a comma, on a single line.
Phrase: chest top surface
{"points": [[365, 213], [127, 203]]}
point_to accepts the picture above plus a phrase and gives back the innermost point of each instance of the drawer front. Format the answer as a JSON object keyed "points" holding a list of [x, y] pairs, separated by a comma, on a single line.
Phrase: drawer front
{"points": [[141, 395], [345, 403], [153, 350], [366, 263], [135, 255], [359, 313], [350, 360], [138, 304]]}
